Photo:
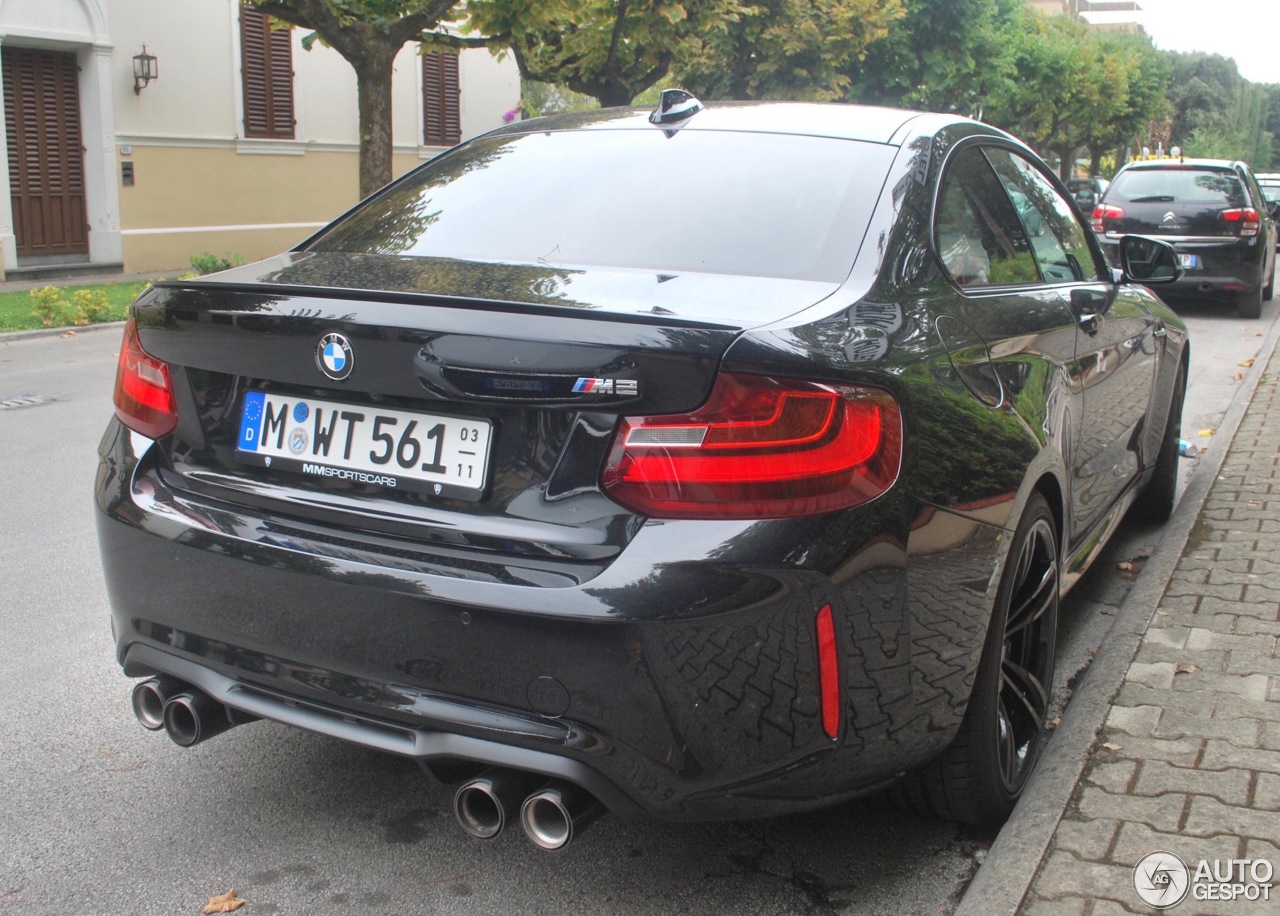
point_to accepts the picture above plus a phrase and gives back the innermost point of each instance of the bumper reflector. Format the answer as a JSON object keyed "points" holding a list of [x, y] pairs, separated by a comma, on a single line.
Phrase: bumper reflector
{"points": [[828, 672]]}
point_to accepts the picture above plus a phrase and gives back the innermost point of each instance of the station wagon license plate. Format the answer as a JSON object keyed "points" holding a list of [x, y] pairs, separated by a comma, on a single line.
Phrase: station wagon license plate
{"points": [[362, 444], [1188, 261]]}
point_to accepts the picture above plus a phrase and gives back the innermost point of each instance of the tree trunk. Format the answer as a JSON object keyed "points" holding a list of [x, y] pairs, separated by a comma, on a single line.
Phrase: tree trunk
{"points": [[1095, 160], [373, 91], [1066, 161], [613, 95]]}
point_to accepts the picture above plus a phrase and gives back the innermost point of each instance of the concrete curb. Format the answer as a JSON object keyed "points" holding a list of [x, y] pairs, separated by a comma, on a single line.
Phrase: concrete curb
{"points": [[20, 286], [1014, 859], [11, 336]]}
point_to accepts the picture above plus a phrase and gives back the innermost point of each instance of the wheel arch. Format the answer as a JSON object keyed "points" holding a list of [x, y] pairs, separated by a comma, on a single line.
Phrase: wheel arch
{"points": [[1050, 488]]}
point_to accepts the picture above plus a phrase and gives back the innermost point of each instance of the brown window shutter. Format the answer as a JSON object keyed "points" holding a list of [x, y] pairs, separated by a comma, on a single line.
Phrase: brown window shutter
{"points": [[266, 67], [441, 105]]}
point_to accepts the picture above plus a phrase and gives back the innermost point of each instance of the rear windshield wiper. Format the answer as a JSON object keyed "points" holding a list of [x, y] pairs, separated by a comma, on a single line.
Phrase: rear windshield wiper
{"points": [[1153, 199]]}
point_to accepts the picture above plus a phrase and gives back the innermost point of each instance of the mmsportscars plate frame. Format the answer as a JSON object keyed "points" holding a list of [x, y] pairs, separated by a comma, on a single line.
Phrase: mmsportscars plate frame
{"points": [[363, 444]]}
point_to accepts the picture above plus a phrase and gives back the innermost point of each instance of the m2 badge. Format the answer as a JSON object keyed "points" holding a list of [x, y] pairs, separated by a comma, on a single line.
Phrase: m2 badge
{"points": [[619, 387]]}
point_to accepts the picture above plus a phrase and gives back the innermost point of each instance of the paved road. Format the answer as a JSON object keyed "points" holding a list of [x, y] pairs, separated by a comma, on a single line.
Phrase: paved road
{"points": [[100, 816]]}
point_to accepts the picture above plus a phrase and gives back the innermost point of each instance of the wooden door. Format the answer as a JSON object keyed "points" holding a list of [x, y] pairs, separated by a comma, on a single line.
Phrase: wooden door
{"points": [[46, 152]]}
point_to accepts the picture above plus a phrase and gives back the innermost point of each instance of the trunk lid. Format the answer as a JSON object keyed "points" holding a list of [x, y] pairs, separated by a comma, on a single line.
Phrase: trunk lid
{"points": [[535, 363]]}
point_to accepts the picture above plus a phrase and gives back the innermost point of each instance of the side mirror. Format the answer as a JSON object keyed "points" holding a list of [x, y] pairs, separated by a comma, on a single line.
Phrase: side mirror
{"points": [[1147, 260]]}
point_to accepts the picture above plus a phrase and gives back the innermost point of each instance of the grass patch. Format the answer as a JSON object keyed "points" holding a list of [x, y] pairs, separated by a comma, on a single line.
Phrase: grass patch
{"points": [[18, 310]]}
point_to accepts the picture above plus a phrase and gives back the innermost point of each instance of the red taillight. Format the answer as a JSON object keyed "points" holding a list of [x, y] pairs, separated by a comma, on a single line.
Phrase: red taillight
{"points": [[759, 448], [1102, 213], [144, 390], [1247, 217], [828, 672]]}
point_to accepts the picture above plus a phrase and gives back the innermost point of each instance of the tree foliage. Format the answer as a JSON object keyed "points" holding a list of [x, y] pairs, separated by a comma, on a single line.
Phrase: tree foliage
{"points": [[942, 55], [784, 49], [1056, 85], [1066, 89], [1139, 103], [1070, 90], [1219, 114], [368, 34], [611, 50]]}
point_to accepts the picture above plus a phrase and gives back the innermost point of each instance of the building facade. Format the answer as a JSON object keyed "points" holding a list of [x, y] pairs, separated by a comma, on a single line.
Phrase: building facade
{"points": [[242, 144], [1118, 15]]}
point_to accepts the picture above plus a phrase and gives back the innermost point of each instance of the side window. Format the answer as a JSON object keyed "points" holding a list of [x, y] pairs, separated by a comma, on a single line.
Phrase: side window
{"points": [[1255, 191], [266, 72], [1057, 237], [441, 117], [979, 236]]}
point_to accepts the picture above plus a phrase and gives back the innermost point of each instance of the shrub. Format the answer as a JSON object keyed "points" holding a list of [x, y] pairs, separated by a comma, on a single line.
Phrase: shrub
{"points": [[85, 307], [62, 305], [55, 310], [89, 306], [209, 263], [49, 306]]}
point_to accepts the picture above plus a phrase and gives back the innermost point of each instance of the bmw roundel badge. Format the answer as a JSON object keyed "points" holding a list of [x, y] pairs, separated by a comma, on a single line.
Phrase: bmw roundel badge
{"points": [[334, 356]]}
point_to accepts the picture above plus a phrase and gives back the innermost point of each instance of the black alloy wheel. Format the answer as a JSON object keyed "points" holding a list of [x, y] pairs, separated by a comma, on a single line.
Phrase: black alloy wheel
{"points": [[1026, 658], [979, 778]]}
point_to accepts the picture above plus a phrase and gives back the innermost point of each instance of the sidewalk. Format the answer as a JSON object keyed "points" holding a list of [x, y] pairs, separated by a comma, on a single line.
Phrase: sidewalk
{"points": [[1185, 707]]}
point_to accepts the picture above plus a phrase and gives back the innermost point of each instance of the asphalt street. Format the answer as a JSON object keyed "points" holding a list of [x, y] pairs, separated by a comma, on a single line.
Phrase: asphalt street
{"points": [[101, 816]]}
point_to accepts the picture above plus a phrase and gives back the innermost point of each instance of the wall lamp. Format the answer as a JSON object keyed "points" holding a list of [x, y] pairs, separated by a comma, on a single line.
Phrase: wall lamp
{"points": [[145, 69]]}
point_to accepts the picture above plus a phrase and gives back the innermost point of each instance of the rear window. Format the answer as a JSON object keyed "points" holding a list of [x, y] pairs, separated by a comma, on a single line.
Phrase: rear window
{"points": [[1218, 187], [711, 202]]}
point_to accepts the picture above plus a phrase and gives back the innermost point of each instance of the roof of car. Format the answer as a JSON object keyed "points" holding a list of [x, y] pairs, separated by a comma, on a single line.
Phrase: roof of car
{"points": [[847, 122]]}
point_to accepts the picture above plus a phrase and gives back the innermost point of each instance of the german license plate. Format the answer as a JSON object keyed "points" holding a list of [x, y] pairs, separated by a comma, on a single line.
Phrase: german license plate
{"points": [[362, 444], [1188, 261]]}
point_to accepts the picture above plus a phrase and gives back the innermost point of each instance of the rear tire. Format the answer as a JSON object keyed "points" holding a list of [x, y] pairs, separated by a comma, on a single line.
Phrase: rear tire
{"points": [[1269, 290], [980, 777], [1155, 503], [1249, 305]]}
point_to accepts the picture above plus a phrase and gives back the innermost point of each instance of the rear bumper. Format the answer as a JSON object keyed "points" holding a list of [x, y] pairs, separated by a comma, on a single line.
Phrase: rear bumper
{"points": [[1224, 269], [680, 683]]}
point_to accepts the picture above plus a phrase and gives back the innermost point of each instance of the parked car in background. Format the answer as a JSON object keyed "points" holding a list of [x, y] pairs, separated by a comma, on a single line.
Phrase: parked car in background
{"points": [[1269, 182], [1085, 192], [1214, 214], [705, 463]]}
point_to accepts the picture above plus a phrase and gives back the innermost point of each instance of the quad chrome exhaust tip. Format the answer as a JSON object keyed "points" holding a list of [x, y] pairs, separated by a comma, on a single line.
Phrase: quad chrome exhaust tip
{"points": [[148, 699], [485, 805], [193, 716], [553, 816], [187, 715]]}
